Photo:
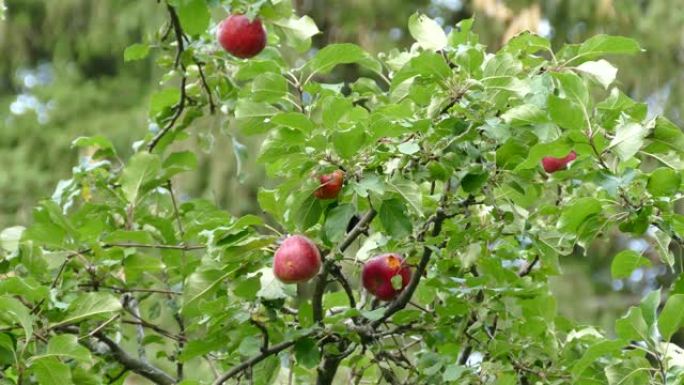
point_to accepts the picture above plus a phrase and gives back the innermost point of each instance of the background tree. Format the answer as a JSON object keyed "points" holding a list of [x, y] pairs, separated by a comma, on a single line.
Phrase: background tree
{"points": [[441, 146]]}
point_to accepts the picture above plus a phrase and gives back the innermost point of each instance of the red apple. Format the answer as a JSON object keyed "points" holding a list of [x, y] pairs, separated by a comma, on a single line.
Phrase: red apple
{"points": [[296, 260], [552, 164], [241, 37], [378, 273], [331, 184]]}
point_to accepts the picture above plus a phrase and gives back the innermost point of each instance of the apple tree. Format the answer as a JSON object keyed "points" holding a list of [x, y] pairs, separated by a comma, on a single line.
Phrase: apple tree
{"points": [[410, 223]]}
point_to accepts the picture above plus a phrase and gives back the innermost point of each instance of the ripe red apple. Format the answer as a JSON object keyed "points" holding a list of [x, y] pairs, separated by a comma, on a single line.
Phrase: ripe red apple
{"points": [[241, 37], [378, 273], [331, 184], [296, 260], [552, 164]]}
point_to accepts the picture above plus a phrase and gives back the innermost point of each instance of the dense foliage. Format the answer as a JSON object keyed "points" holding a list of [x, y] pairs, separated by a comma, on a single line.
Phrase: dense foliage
{"points": [[441, 146]]}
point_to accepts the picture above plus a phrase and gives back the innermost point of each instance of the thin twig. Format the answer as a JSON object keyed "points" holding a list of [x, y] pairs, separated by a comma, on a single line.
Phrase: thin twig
{"points": [[102, 326], [180, 106], [275, 349], [36, 309], [133, 290], [205, 85], [156, 246], [176, 213]]}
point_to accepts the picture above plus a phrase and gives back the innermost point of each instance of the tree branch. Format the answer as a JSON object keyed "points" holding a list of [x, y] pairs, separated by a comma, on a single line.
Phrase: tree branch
{"points": [[275, 349], [405, 296], [180, 106], [468, 349], [131, 304], [336, 272], [264, 333], [322, 278], [330, 363], [144, 369]]}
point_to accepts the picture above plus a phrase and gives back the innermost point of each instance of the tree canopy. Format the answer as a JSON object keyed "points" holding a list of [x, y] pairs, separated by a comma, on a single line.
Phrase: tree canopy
{"points": [[125, 275]]}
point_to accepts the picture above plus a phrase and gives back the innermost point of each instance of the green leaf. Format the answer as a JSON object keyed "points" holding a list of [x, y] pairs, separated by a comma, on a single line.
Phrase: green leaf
{"points": [[573, 87], [373, 315], [664, 182], [348, 142], [528, 42], [141, 168], [409, 148], [246, 109], [462, 34], [630, 371], [199, 347], [649, 306], [269, 87], [252, 68], [7, 350], [179, 162], [428, 65], [336, 222], [66, 346], [472, 183], [666, 137], [307, 353], [271, 287], [11, 311], [600, 45], [599, 349], [628, 139], [248, 288], [137, 264], [453, 372], [470, 58], [602, 71], [671, 317], [294, 120], [104, 146], [298, 31], [136, 52], [566, 113], [194, 16], [507, 83], [663, 240], [625, 262], [576, 213], [525, 115], [10, 237], [128, 236], [27, 287], [163, 99], [632, 326], [397, 282], [200, 284], [393, 216], [308, 212], [90, 305], [427, 32], [50, 371], [558, 148], [335, 54], [266, 371]]}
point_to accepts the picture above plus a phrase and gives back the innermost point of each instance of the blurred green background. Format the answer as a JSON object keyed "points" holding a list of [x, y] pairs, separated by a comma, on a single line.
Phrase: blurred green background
{"points": [[62, 76]]}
